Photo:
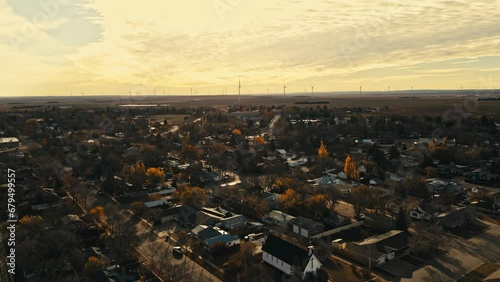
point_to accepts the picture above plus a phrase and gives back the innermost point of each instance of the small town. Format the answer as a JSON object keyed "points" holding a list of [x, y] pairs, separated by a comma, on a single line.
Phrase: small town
{"points": [[250, 141], [251, 193]]}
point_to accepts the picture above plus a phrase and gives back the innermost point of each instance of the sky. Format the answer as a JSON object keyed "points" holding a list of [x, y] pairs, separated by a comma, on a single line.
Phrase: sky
{"points": [[94, 47]]}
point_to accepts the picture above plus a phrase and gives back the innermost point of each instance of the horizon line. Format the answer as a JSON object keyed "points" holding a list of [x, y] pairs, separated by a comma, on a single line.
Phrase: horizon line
{"points": [[356, 92]]}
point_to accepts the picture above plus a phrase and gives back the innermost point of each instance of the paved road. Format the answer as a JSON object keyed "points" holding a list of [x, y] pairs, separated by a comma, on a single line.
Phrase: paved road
{"points": [[462, 257], [149, 239]]}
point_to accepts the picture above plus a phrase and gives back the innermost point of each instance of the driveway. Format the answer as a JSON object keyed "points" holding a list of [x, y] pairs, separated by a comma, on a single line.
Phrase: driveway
{"points": [[461, 257]]}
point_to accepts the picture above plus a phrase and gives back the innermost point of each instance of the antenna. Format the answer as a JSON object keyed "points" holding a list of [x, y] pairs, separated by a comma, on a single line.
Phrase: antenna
{"points": [[284, 91]]}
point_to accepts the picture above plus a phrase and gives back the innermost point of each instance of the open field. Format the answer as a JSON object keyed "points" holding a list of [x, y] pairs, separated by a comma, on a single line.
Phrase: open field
{"points": [[428, 102], [171, 118]]}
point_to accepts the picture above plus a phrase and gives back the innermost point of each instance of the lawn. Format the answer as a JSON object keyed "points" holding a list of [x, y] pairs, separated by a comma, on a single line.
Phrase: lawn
{"points": [[339, 271], [480, 273]]}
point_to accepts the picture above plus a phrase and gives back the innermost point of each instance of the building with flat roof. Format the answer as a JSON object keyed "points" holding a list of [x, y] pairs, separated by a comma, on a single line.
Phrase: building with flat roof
{"points": [[9, 142]]}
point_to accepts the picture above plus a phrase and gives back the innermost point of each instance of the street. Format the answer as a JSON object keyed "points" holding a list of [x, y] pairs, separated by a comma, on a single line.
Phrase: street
{"points": [[152, 240]]}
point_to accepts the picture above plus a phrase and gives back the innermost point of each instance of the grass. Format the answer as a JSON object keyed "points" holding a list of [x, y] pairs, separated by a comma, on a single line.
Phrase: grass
{"points": [[339, 271], [478, 274]]}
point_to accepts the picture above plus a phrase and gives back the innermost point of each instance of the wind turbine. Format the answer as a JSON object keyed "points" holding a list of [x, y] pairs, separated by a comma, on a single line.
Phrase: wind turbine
{"points": [[312, 89], [239, 91], [360, 89]]}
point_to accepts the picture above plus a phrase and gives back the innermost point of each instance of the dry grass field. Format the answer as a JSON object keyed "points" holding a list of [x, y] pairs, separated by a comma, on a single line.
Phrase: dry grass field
{"points": [[428, 103]]}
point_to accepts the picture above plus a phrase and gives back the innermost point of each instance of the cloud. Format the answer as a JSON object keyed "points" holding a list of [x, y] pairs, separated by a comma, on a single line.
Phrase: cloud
{"points": [[194, 44]]}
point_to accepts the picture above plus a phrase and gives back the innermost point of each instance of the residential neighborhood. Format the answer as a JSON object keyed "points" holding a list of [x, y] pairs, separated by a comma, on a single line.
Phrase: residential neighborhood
{"points": [[210, 194]]}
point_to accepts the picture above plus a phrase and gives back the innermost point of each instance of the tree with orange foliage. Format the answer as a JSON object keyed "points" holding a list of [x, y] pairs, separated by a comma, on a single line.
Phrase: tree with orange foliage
{"points": [[191, 196], [322, 151], [350, 168], [191, 152], [155, 175], [259, 140], [283, 182], [93, 266], [236, 131], [217, 148], [317, 204], [432, 145], [31, 224], [97, 213], [290, 200], [137, 174]]}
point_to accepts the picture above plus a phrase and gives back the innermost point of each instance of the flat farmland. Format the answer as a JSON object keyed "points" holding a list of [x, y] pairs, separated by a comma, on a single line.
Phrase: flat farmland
{"points": [[171, 118], [435, 104]]}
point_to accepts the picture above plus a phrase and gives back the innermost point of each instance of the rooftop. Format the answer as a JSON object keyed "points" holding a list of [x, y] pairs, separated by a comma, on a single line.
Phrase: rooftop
{"points": [[284, 250]]}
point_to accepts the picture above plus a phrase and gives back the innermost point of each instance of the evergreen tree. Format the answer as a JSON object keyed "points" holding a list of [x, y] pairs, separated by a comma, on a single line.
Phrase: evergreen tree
{"points": [[401, 223]]}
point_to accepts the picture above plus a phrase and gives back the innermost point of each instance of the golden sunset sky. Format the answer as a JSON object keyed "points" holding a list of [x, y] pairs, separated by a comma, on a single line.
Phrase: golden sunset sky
{"points": [[59, 47]]}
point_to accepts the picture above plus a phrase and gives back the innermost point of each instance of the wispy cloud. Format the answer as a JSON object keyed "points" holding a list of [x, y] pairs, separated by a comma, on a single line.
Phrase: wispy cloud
{"points": [[190, 44]]}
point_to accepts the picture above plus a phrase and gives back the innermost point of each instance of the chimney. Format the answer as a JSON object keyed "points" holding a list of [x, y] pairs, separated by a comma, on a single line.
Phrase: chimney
{"points": [[311, 249]]}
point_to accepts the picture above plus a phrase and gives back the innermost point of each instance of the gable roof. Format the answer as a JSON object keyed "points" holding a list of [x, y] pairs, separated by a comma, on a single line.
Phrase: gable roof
{"points": [[387, 242], [307, 224], [208, 233], [284, 250], [224, 238]]}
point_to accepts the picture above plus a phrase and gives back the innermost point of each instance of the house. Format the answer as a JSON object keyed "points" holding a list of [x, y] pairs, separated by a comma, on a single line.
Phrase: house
{"points": [[279, 218], [228, 239], [306, 227], [375, 181], [203, 232], [376, 250], [234, 222], [8, 142], [45, 199], [246, 115], [119, 273], [342, 175], [154, 204], [328, 180], [104, 255], [295, 163], [172, 213], [73, 223], [289, 258], [210, 235], [455, 217]]}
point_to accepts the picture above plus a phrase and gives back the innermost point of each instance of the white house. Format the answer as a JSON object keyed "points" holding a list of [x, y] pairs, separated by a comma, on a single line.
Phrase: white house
{"points": [[278, 218], [305, 227], [287, 257]]}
